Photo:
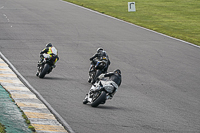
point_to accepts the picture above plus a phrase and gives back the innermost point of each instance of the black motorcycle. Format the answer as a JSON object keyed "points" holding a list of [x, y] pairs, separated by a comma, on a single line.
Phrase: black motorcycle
{"points": [[96, 70], [45, 67], [100, 92]]}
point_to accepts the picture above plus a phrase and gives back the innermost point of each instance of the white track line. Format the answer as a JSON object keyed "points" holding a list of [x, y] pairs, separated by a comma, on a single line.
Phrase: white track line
{"points": [[131, 24]]}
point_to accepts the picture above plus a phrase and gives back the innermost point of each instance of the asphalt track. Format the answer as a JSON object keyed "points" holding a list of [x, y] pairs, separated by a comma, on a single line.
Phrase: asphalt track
{"points": [[160, 88]]}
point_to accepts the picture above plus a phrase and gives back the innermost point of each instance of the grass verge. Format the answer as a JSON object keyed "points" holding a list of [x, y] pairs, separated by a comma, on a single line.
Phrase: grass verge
{"points": [[2, 129], [25, 117], [176, 18], [28, 122]]}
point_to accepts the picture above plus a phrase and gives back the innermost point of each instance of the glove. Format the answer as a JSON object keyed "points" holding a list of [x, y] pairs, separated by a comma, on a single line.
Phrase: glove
{"points": [[91, 59]]}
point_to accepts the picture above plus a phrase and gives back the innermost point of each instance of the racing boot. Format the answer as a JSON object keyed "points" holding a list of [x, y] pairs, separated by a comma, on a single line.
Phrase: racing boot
{"points": [[85, 101], [37, 73]]}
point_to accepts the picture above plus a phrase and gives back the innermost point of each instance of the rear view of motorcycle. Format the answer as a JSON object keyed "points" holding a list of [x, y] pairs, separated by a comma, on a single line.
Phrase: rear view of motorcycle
{"points": [[101, 91], [45, 67], [96, 71]]}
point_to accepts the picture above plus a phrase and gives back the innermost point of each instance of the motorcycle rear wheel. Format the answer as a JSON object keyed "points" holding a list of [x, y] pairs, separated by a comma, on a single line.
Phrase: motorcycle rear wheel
{"points": [[99, 100], [44, 71], [98, 72]]}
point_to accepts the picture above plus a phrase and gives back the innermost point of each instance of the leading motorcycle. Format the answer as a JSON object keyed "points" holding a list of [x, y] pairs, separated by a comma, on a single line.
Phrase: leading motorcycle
{"points": [[101, 91], [45, 67]]}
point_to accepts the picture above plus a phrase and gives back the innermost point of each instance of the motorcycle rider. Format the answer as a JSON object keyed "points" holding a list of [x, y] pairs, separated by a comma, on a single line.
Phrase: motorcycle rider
{"points": [[114, 79], [98, 56], [48, 52], [114, 76]]}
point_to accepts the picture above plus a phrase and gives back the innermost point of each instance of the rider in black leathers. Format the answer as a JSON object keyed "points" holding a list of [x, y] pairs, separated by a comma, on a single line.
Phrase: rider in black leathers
{"points": [[114, 76], [100, 55]]}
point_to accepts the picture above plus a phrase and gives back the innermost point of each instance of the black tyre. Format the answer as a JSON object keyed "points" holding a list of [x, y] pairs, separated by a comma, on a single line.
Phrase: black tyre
{"points": [[44, 71], [98, 72], [99, 99]]}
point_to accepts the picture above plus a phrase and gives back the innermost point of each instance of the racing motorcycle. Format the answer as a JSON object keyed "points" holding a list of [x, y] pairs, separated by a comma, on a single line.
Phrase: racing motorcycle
{"points": [[101, 91], [96, 70], [46, 66]]}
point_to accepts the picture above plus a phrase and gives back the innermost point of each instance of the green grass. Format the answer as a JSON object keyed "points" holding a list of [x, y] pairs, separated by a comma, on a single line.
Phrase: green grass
{"points": [[2, 128], [176, 18], [28, 122]]}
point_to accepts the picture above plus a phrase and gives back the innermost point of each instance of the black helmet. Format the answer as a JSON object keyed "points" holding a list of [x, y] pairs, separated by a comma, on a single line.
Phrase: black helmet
{"points": [[49, 45], [117, 71], [99, 49]]}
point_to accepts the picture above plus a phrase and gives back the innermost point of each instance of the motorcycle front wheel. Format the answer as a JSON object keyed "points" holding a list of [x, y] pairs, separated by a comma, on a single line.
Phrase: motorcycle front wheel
{"points": [[101, 98], [44, 71]]}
